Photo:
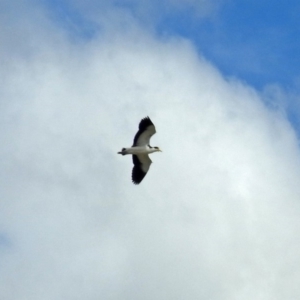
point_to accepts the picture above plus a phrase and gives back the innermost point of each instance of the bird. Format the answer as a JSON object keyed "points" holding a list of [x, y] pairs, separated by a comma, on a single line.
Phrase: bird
{"points": [[140, 150]]}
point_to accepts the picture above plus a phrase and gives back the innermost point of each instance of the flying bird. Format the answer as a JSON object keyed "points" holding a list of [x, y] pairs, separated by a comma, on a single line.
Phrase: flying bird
{"points": [[140, 150]]}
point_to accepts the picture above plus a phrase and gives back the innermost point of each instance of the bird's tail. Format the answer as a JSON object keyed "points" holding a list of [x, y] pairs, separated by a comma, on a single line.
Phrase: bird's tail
{"points": [[123, 151]]}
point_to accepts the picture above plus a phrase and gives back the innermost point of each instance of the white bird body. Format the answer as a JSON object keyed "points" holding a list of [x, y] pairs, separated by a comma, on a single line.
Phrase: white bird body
{"points": [[140, 150]]}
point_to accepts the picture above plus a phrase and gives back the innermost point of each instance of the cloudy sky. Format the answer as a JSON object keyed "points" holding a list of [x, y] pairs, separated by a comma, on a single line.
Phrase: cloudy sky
{"points": [[218, 215]]}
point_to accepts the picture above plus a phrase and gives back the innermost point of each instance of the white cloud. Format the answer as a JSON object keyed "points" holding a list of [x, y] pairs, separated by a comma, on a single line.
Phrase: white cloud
{"points": [[217, 217]]}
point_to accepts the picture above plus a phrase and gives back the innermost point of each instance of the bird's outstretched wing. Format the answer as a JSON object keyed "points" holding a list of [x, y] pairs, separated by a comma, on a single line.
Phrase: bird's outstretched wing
{"points": [[146, 130], [141, 166]]}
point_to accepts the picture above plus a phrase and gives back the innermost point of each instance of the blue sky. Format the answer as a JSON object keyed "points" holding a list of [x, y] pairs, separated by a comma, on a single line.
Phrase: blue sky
{"points": [[217, 216], [253, 41]]}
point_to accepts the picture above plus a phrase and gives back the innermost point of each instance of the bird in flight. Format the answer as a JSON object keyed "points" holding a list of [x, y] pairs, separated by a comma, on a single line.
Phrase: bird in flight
{"points": [[140, 150]]}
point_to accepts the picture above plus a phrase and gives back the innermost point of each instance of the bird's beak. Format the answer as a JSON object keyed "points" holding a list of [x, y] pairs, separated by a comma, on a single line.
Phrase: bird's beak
{"points": [[160, 150]]}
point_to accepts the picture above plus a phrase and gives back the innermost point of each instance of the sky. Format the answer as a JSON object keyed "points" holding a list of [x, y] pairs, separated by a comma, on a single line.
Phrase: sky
{"points": [[218, 215]]}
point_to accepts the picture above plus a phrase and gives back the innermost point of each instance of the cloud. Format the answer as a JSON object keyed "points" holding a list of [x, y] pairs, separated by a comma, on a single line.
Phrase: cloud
{"points": [[148, 13], [217, 217]]}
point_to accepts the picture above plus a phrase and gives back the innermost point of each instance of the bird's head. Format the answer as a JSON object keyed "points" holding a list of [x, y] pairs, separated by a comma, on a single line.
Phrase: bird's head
{"points": [[157, 149]]}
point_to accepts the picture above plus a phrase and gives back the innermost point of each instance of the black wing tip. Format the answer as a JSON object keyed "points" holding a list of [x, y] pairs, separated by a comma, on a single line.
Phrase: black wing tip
{"points": [[145, 122], [135, 182], [137, 178], [137, 174], [147, 119]]}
